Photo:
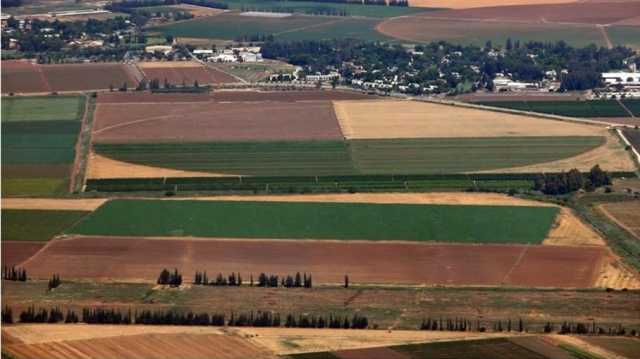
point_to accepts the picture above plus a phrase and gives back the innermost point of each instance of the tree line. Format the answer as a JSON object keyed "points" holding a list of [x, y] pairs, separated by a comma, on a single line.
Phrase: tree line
{"points": [[171, 317], [14, 274], [567, 182], [297, 280]]}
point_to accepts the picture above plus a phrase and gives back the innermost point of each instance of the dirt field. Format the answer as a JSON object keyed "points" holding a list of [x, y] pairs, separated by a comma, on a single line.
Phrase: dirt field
{"points": [[315, 340], [21, 77], [583, 13], [466, 4], [626, 347], [179, 72], [231, 96], [196, 122], [199, 11], [611, 156], [412, 119], [104, 167], [626, 214], [87, 204], [16, 252], [117, 258], [116, 342]]}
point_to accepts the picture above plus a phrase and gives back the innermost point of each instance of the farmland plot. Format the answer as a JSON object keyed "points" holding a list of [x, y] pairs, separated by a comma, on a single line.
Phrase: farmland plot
{"points": [[342, 221], [178, 73], [36, 225]]}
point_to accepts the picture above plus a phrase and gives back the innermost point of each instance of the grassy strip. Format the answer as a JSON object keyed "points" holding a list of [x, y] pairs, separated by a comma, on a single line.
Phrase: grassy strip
{"points": [[85, 147], [36, 225], [343, 221]]}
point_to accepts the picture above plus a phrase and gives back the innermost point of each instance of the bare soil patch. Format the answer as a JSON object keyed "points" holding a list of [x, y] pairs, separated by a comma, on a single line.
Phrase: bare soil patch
{"points": [[611, 157], [199, 11], [88, 204], [199, 122], [412, 119], [22, 77], [138, 259], [183, 72], [104, 167], [466, 4], [16, 252], [579, 12], [84, 77]]}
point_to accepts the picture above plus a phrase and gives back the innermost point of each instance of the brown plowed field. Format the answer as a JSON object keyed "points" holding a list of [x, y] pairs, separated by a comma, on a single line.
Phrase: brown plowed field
{"points": [[122, 123], [21, 77], [177, 73], [141, 259], [16, 252], [231, 96], [148, 346], [582, 13]]}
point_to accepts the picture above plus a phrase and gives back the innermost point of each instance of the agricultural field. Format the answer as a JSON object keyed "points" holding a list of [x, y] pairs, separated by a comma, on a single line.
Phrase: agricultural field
{"points": [[626, 214], [267, 137], [25, 77], [256, 72], [633, 106], [104, 341], [45, 6], [184, 72], [36, 225], [627, 347], [309, 7], [587, 109], [341, 221], [38, 143], [467, 4], [633, 136], [16, 252], [231, 26]]}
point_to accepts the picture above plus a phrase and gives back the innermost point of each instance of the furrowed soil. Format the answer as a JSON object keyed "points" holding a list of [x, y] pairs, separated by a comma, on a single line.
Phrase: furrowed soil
{"points": [[173, 341], [194, 122], [138, 259], [22, 77], [88, 204], [16, 252]]}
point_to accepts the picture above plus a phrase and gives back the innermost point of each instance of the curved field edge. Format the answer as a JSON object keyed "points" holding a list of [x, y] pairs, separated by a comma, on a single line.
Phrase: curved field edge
{"points": [[317, 158]]}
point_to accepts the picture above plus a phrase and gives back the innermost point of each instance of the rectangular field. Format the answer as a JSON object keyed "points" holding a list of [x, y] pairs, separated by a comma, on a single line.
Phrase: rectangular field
{"points": [[36, 225], [38, 143], [16, 252], [341, 221], [627, 214], [596, 108], [234, 26], [61, 108], [317, 158], [215, 121], [141, 259], [23, 77]]}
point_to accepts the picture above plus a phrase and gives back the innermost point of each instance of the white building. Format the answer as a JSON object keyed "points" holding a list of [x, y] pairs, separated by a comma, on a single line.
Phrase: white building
{"points": [[250, 57], [622, 78], [318, 77], [202, 52], [158, 48]]}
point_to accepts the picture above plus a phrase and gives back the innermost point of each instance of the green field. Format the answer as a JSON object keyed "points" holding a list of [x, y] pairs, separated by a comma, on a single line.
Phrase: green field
{"points": [[346, 221], [598, 108], [625, 36], [36, 225], [52, 108], [39, 135], [407, 156], [633, 106], [298, 27]]}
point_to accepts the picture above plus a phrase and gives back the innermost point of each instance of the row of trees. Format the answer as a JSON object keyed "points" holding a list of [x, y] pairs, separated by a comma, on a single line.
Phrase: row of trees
{"points": [[582, 328], [567, 182], [264, 280], [168, 278], [170, 317], [14, 274], [54, 282]]}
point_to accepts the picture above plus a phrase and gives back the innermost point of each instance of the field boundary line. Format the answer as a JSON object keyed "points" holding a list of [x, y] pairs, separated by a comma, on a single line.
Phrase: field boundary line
{"points": [[625, 108], [634, 151], [75, 171], [605, 35], [516, 263]]}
